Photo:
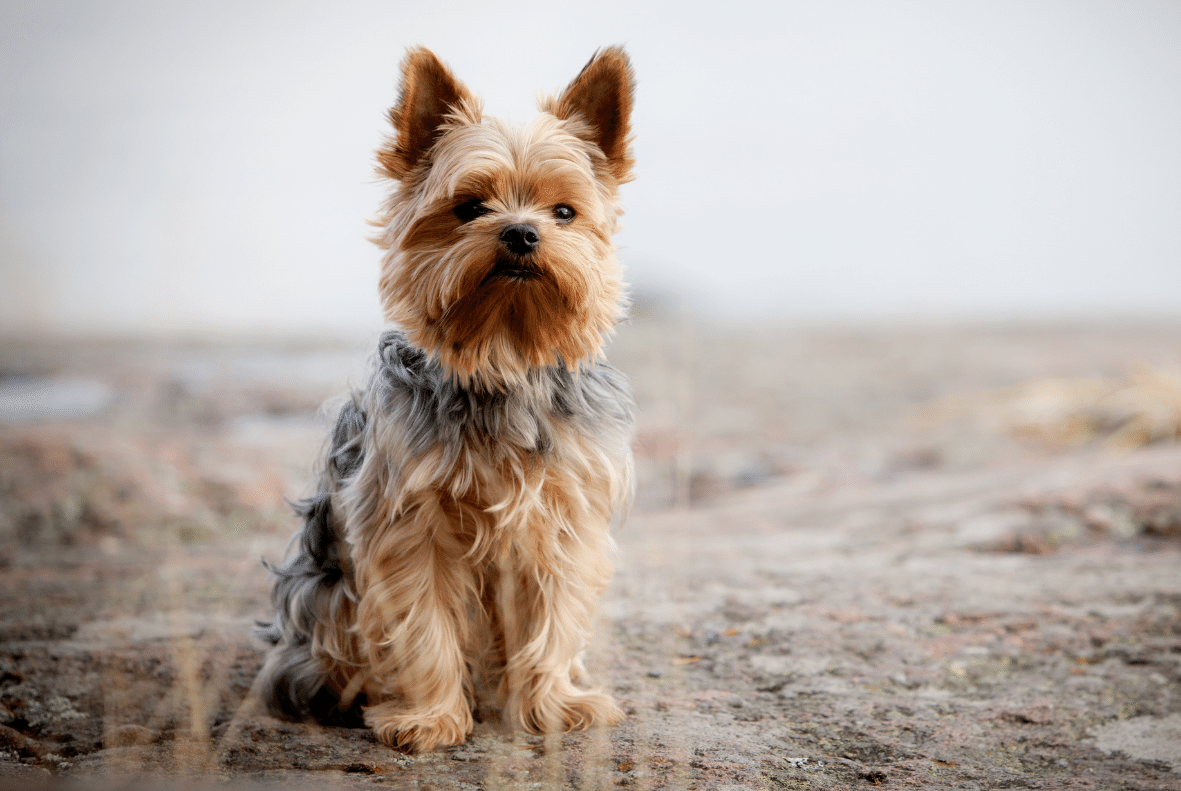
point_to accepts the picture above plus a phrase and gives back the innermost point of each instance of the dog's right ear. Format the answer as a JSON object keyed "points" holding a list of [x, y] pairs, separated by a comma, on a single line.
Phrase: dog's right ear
{"points": [[429, 94]]}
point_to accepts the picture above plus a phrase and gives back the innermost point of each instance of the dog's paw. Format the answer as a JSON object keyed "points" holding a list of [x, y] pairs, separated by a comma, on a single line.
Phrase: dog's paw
{"points": [[418, 731], [570, 710]]}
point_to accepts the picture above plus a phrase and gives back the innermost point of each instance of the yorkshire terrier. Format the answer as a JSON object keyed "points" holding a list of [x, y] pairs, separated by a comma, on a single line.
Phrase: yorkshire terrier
{"points": [[459, 540]]}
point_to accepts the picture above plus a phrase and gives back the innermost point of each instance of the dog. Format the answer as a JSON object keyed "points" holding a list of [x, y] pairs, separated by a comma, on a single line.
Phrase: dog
{"points": [[460, 537]]}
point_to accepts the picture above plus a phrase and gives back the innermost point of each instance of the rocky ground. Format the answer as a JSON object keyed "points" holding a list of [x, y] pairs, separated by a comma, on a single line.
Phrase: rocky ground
{"points": [[905, 558]]}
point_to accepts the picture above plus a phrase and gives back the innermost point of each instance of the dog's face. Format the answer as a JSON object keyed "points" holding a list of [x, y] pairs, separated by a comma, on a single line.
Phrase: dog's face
{"points": [[498, 237]]}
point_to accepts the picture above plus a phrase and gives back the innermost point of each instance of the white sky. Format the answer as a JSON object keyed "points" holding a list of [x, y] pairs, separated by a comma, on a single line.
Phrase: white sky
{"points": [[204, 166]]}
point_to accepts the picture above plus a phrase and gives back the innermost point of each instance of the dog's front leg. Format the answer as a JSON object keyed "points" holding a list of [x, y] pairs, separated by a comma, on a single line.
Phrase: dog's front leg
{"points": [[546, 610], [415, 589]]}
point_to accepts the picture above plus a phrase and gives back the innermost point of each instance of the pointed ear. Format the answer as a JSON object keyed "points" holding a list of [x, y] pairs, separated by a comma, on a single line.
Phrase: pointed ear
{"points": [[601, 97], [429, 92]]}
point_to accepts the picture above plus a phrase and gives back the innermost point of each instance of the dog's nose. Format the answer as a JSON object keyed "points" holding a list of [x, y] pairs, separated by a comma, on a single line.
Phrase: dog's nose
{"points": [[520, 238]]}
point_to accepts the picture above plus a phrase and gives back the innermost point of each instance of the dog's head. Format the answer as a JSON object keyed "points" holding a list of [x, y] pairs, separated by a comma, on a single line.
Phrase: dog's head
{"points": [[498, 237]]}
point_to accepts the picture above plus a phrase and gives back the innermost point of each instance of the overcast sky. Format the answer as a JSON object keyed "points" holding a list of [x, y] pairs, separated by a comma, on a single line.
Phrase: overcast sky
{"points": [[196, 166]]}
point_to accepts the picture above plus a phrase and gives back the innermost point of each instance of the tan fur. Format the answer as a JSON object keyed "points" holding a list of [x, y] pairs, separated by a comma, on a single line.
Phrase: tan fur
{"points": [[434, 278], [499, 551], [480, 564]]}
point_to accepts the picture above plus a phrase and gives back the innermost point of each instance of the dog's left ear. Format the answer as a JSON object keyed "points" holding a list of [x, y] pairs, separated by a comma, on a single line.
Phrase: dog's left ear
{"points": [[601, 97]]}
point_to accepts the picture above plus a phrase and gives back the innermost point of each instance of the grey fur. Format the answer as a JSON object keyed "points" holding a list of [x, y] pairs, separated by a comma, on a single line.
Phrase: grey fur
{"points": [[413, 392]]}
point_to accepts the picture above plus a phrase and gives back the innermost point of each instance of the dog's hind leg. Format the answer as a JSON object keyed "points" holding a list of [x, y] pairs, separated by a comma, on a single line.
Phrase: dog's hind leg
{"points": [[314, 651]]}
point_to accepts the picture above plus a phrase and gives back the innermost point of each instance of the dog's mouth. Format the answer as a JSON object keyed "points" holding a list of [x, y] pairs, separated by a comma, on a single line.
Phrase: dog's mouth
{"points": [[514, 269]]}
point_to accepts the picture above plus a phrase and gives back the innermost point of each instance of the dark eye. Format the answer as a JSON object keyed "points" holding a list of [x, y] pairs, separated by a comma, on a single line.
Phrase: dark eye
{"points": [[470, 209], [564, 213]]}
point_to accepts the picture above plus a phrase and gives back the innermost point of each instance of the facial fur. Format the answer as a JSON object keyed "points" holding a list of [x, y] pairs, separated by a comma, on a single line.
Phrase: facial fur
{"points": [[487, 308]]}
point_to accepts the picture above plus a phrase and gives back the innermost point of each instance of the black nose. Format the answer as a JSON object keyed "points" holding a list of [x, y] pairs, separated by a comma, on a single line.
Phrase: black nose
{"points": [[520, 238]]}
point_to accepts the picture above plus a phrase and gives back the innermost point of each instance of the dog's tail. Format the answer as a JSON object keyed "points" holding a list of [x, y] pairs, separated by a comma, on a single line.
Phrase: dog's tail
{"points": [[312, 593]]}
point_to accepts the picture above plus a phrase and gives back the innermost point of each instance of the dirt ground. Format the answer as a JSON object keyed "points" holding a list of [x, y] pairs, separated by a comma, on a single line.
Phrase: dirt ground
{"points": [[920, 558]]}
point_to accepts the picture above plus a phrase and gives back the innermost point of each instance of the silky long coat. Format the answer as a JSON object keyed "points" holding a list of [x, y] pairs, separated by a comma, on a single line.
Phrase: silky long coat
{"points": [[459, 540]]}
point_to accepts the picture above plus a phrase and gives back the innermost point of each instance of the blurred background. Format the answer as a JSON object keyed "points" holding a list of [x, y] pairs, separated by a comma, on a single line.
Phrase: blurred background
{"points": [[208, 167], [906, 343]]}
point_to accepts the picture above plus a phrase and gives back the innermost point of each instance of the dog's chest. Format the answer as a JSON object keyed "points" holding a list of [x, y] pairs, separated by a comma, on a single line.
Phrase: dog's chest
{"points": [[555, 433], [531, 441]]}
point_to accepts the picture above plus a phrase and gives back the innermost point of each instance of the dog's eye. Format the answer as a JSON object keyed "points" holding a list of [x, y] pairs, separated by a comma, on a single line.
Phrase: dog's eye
{"points": [[564, 213], [471, 209]]}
